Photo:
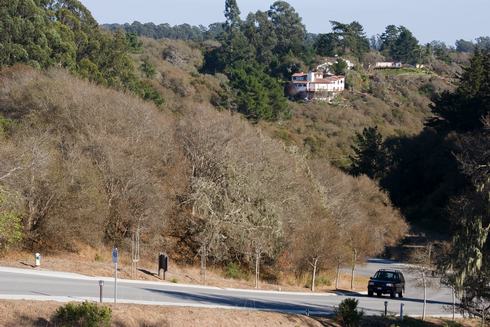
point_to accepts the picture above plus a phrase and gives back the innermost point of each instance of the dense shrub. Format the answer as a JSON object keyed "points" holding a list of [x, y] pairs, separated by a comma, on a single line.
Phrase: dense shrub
{"points": [[84, 314], [347, 313]]}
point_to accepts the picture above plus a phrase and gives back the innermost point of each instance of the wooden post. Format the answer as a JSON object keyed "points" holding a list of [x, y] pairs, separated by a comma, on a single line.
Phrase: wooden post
{"points": [[338, 275], [354, 259], [257, 268]]}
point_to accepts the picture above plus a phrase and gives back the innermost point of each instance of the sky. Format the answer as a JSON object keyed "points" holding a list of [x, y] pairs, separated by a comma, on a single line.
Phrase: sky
{"points": [[442, 20]]}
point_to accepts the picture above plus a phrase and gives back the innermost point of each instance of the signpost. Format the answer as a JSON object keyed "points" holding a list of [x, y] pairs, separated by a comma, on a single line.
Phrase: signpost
{"points": [[115, 258]]}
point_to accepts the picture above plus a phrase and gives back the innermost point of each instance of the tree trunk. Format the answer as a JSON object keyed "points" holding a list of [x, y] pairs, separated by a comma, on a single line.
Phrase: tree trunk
{"points": [[338, 275], [425, 295], [203, 264], [354, 259], [257, 268], [313, 277]]}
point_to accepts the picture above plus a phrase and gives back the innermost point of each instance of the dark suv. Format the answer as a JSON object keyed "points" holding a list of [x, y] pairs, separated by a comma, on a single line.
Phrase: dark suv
{"points": [[386, 281]]}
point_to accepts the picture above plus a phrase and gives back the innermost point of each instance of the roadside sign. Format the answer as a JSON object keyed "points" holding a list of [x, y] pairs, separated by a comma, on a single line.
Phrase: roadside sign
{"points": [[115, 255]]}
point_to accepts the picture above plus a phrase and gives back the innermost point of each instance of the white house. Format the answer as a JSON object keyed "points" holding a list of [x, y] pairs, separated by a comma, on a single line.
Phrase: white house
{"points": [[317, 86], [388, 64]]}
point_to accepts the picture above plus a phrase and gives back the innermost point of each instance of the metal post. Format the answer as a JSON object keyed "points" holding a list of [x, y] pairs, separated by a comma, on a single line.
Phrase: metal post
{"points": [[115, 285], [386, 308], [454, 304], [101, 288], [115, 259], [401, 311]]}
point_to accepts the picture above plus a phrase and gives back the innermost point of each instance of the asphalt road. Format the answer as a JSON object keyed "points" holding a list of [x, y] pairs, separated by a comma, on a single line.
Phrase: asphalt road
{"points": [[42, 285]]}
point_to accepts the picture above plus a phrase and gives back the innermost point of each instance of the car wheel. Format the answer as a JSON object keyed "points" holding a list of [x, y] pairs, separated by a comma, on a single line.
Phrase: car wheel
{"points": [[392, 294], [370, 293]]}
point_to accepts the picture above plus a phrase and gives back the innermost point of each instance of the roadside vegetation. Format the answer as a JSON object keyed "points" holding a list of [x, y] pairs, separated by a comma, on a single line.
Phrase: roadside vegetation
{"points": [[16, 313]]}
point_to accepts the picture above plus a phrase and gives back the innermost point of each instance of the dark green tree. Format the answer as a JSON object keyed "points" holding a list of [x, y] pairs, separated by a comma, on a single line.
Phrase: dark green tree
{"points": [[469, 257], [350, 38], [388, 40], [483, 42], [232, 15], [464, 109], [288, 28], [326, 44], [340, 67], [147, 68], [369, 156], [464, 46], [64, 33], [258, 95], [406, 48], [259, 31]]}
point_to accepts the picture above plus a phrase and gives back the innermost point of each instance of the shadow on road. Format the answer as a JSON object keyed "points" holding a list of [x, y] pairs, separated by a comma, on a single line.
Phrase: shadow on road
{"points": [[239, 302], [403, 299]]}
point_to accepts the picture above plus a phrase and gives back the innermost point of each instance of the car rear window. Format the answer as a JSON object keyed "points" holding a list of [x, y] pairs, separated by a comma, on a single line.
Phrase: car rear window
{"points": [[386, 275]]}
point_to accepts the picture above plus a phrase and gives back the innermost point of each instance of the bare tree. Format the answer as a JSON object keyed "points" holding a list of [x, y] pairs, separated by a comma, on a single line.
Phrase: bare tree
{"points": [[422, 264]]}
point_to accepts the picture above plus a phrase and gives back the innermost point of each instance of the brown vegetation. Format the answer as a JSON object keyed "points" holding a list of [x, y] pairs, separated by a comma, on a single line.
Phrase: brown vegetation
{"points": [[22, 313], [89, 165]]}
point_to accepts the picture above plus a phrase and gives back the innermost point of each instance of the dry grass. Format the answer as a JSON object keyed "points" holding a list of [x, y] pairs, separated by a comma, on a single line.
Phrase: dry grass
{"points": [[24, 313], [30, 313]]}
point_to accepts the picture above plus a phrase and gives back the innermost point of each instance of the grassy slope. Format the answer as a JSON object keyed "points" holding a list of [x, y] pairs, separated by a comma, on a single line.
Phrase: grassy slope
{"points": [[21, 313], [397, 103]]}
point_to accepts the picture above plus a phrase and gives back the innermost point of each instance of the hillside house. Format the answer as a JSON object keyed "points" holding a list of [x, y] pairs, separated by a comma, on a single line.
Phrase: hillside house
{"points": [[388, 64], [317, 86]]}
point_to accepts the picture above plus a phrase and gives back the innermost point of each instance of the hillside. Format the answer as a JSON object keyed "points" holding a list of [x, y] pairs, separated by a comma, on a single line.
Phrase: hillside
{"points": [[398, 105], [82, 163], [193, 145]]}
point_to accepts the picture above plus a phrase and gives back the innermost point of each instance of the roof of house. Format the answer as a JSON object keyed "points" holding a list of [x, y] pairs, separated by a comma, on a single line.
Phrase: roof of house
{"points": [[328, 80], [299, 74]]}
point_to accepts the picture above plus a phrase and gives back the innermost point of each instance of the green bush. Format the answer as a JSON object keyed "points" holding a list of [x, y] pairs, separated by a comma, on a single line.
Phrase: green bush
{"points": [[84, 314], [234, 271], [347, 313]]}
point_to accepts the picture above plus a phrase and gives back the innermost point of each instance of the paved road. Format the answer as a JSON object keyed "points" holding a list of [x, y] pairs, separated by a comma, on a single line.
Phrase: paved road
{"points": [[414, 289], [40, 285]]}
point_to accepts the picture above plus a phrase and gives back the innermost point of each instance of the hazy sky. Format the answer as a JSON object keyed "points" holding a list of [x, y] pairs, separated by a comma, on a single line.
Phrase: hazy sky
{"points": [[446, 20]]}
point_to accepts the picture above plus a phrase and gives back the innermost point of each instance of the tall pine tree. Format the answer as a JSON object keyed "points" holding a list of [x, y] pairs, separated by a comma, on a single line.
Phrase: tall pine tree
{"points": [[368, 157]]}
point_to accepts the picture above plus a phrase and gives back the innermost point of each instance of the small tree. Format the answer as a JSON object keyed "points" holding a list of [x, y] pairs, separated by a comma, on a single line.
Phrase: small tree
{"points": [[340, 67], [347, 313], [422, 260], [368, 157]]}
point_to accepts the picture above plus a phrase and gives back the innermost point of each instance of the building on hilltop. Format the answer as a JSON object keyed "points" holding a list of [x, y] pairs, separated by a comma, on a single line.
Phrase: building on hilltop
{"points": [[388, 64], [316, 86]]}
